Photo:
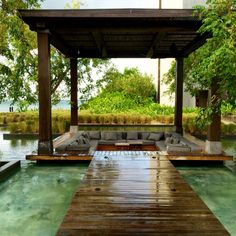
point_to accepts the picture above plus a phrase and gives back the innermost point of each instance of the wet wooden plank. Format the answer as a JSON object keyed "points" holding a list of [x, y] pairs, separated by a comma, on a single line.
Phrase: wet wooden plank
{"points": [[59, 157], [137, 195]]}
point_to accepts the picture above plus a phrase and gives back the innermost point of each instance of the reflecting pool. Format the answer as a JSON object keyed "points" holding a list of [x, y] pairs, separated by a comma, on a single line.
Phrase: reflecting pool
{"points": [[217, 187], [35, 200]]}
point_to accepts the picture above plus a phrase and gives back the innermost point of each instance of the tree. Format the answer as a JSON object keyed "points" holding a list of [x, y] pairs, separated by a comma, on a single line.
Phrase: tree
{"points": [[120, 92], [16, 52], [215, 61], [18, 63]]}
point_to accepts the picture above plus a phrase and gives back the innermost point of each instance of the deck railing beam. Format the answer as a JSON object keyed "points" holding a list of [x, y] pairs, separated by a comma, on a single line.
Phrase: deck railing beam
{"points": [[45, 144]]}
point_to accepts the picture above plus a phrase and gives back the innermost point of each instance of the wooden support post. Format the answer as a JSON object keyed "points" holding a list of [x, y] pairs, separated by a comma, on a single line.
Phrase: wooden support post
{"points": [[158, 95], [74, 96], [213, 143], [45, 145], [179, 95]]}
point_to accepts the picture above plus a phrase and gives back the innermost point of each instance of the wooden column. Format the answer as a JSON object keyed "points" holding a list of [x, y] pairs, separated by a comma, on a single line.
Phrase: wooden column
{"points": [[213, 143], [179, 95], [45, 145], [74, 96], [158, 96], [214, 129]]}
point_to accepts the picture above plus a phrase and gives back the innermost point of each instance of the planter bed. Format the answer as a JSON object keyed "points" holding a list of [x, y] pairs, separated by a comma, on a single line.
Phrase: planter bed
{"points": [[7, 168]]}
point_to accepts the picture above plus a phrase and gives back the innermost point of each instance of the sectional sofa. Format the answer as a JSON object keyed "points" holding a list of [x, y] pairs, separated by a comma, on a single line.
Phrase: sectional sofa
{"points": [[168, 141]]}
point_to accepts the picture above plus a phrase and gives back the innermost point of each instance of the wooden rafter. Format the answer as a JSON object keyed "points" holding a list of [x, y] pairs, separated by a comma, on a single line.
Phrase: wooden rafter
{"points": [[157, 39], [98, 38]]}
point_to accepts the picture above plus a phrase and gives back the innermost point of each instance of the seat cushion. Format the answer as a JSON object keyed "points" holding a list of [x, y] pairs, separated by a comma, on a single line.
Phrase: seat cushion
{"points": [[110, 142], [161, 145], [177, 148], [148, 142], [75, 146]]}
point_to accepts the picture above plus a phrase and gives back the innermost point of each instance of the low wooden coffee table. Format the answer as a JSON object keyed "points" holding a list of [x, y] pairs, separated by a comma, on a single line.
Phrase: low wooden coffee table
{"points": [[122, 146], [135, 145]]}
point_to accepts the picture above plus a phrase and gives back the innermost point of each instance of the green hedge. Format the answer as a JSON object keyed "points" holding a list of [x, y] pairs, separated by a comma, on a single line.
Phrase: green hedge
{"points": [[27, 122]]}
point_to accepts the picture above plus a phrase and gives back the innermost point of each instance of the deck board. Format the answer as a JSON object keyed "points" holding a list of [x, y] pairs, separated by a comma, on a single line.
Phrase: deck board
{"points": [[137, 195]]}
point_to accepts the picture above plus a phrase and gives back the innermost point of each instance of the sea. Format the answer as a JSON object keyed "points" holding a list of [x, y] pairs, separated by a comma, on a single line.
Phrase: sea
{"points": [[62, 105]]}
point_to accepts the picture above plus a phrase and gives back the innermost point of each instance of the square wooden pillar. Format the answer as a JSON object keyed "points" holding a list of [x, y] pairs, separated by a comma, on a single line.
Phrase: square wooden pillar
{"points": [[179, 95], [74, 96], [213, 143], [45, 145]]}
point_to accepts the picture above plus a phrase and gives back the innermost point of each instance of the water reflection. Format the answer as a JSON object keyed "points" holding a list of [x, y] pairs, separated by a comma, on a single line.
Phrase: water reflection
{"points": [[16, 149]]}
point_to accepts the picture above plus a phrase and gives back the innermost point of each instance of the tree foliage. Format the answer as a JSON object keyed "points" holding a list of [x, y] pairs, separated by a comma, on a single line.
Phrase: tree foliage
{"points": [[122, 91], [18, 61], [215, 61]]}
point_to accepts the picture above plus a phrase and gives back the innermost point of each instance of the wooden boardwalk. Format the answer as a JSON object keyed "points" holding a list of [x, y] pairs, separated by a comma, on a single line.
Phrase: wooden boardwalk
{"points": [[137, 195]]}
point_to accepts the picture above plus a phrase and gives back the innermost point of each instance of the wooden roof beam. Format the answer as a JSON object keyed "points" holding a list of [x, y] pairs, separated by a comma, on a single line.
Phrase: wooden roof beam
{"points": [[55, 40], [59, 43], [157, 39], [195, 44], [100, 44]]}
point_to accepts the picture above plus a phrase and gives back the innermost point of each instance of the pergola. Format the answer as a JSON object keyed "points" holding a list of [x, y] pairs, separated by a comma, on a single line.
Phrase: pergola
{"points": [[120, 33]]}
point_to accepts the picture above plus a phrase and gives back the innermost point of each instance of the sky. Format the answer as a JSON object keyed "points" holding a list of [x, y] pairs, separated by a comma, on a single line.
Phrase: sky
{"points": [[96, 4]]}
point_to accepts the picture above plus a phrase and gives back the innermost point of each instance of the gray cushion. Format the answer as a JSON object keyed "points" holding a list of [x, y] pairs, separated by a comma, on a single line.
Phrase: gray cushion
{"points": [[119, 135], [107, 142], [93, 143], [83, 147], [61, 147], [85, 135], [174, 140], [110, 136], [155, 136], [177, 148], [132, 135], [82, 140], [161, 145], [145, 135], [167, 134], [148, 142], [168, 140], [95, 134]]}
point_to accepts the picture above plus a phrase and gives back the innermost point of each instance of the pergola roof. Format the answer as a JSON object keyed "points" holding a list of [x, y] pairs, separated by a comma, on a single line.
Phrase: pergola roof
{"points": [[119, 33]]}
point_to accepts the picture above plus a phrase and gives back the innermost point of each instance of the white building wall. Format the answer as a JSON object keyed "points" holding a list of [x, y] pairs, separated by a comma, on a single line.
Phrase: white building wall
{"points": [[188, 100], [188, 4]]}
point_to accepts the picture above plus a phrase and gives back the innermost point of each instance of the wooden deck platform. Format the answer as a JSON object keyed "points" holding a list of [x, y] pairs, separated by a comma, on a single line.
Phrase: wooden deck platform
{"points": [[89, 156], [137, 195]]}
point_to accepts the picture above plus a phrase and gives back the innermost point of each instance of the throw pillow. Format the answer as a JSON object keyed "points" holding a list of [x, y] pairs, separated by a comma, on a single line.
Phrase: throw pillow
{"points": [[94, 134], [174, 140], [132, 135], [145, 135], [168, 140], [85, 135], [155, 136], [167, 135], [110, 136], [119, 135]]}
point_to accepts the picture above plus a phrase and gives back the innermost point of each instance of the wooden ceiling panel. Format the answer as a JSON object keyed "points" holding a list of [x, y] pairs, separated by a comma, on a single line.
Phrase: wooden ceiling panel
{"points": [[119, 32]]}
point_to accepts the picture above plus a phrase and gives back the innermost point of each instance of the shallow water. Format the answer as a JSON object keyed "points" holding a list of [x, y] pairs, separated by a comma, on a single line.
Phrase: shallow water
{"points": [[216, 186], [35, 200]]}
